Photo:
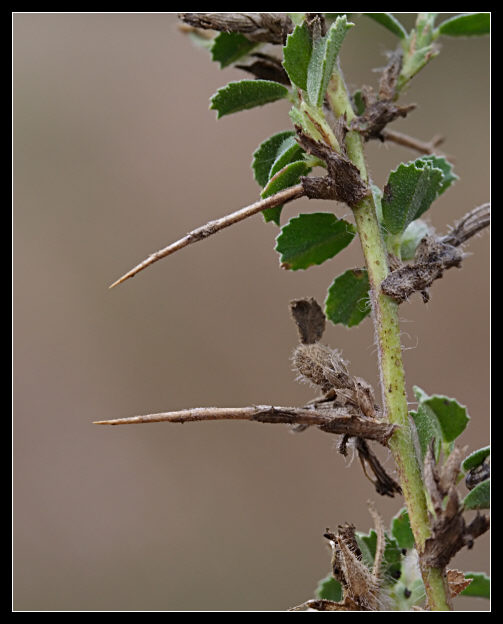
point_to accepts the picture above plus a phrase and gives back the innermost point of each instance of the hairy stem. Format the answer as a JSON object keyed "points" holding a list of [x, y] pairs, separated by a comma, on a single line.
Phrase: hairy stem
{"points": [[386, 323]]}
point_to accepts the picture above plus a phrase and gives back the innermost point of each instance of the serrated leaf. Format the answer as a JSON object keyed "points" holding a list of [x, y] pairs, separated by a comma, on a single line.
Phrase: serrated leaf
{"points": [[229, 47], [445, 167], [348, 298], [284, 178], [329, 589], [438, 417], [476, 458], [466, 25], [480, 585], [311, 239], [389, 21], [411, 238], [245, 94], [296, 55], [401, 531], [479, 497], [410, 190], [322, 61]]}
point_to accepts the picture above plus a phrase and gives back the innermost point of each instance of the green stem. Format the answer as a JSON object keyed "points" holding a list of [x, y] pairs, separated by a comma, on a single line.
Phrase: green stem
{"points": [[386, 323]]}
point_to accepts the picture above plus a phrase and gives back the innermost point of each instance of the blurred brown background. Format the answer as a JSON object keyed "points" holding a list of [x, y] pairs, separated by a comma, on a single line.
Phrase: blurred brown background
{"points": [[116, 154]]}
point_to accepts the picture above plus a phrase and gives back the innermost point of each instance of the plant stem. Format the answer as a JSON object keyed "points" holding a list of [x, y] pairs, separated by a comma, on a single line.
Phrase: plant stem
{"points": [[386, 323]]}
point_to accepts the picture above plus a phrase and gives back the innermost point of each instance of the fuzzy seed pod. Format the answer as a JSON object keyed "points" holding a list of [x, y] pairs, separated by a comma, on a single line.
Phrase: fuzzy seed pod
{"points": [[321, 366]]}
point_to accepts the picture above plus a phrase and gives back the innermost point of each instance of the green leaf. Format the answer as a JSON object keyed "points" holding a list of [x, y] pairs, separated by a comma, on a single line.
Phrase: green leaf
{"points": [[438, 417], [358, 102], [297, 18], [389, 21], [428, 429], [267, 153], [289, 151], [466, 25], [229, 47], [322, 61], [480, 586], [348, 298], [284, 178], [245, 94], [401, 531], [392, 557], [476, 458], [329, 589], [311, 239], [296, 55], [479, 497], [410, 190], [445, 167], [410, 239]]}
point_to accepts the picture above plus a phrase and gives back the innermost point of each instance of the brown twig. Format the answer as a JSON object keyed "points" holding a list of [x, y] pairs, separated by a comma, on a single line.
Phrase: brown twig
{"points": [[264, 27], [423, 147], [472, 223], [212, 227], [336, 421]]}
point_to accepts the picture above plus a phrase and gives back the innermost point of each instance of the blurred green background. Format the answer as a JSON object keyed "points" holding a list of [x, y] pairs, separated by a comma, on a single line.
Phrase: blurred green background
{"points": [[116, 154]]}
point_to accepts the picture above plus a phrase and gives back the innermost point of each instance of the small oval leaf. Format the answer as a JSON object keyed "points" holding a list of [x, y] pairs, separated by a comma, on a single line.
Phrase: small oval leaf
{"points": [[401, 531], [228, 47], [296, 54], [323, 57], [286, 177], [389, 21], [329, 589], [245, 94], [466, 25], [266, 154], [438, 417], [348, 298], [476, 458], [311, 239], [479, 497], [410, 190], [479, 587]]}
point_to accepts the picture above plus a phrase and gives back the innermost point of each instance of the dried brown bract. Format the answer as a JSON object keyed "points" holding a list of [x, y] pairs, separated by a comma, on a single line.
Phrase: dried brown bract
{"points": [[433, 256], [381, 110], [361, 586], [325, 368], [450, 533], [384, 484], [457, 582], [266, 67], [342, 183], [309, 318]]}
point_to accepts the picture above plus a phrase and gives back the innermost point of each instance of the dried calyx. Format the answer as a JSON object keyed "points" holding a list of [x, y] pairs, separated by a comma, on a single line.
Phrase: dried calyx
{"points": [[450, 533], [380, 109], [361, 586], [433, 256], [324, 368]]}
